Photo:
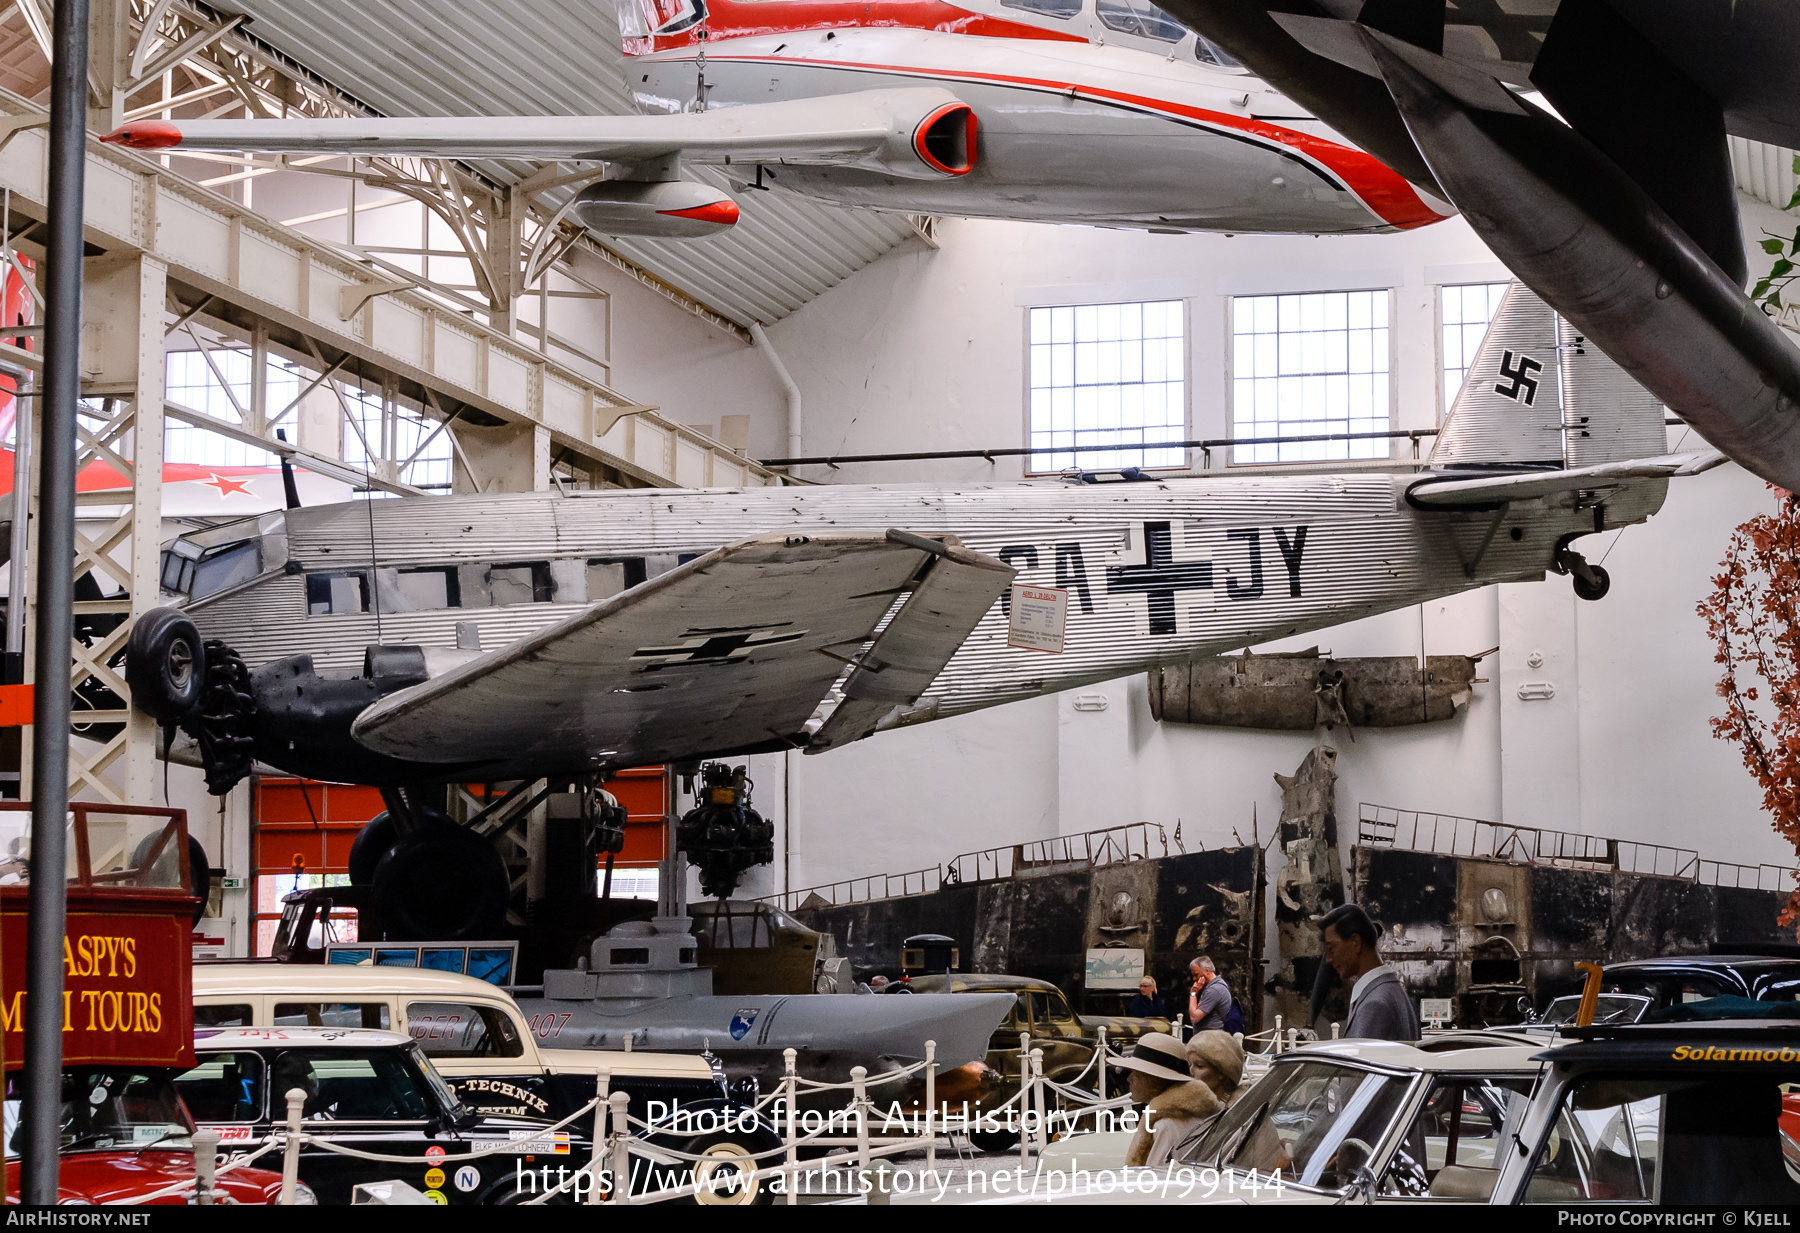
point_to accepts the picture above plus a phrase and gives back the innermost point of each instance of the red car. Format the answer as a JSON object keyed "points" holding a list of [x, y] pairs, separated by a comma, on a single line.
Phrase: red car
{"points": [[126, 1133]]}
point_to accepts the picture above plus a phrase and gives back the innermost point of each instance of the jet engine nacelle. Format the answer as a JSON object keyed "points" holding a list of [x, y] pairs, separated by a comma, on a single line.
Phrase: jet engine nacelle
{"points": [[674, 209]]}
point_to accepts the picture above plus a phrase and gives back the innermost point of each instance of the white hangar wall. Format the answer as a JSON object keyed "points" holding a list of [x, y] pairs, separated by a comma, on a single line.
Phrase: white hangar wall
{"points": [[925, 350]]}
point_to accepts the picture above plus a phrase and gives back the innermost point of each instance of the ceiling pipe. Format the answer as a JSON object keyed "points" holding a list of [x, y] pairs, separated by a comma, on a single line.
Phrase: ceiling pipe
{"points": [[795, 414]]}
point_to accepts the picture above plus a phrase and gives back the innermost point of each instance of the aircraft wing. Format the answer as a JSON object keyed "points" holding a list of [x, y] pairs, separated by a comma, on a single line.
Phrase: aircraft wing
{"points": [[921, 132], [1489, 491], [731, 652]]}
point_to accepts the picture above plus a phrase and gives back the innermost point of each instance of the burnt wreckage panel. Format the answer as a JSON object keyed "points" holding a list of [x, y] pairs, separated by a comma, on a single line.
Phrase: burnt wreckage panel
{"points": [[1309, 884], [1041, 924], [1485, 932], [1303, 690]]}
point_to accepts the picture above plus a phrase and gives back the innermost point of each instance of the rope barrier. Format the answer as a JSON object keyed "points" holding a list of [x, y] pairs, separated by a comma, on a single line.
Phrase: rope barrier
{"points": [[535, 1134], [629, 1137]]}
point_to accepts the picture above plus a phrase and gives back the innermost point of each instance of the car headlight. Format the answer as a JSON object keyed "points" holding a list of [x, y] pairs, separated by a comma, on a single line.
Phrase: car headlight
{"points": [[304, 1196]]}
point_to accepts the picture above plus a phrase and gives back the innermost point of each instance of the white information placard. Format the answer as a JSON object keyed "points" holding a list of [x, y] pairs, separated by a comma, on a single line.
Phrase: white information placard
{"points": [[1038, 617], [1436, 1012], [1114, 967]]}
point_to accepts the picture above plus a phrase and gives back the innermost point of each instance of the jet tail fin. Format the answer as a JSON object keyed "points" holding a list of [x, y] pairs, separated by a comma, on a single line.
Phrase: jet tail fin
{"points": [[1539, 394]]}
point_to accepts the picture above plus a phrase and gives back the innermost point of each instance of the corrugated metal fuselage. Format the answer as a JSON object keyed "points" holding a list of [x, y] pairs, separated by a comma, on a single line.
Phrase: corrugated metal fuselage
{"points": [[1157, 572]]}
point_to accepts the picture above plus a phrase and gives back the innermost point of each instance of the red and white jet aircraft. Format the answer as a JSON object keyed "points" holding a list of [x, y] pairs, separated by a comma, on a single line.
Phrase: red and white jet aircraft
{"points": [[1098, 112]]}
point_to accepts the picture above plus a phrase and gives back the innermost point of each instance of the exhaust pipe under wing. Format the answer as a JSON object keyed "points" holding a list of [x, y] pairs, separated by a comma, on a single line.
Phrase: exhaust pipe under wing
{"points": [[1588, 239]]}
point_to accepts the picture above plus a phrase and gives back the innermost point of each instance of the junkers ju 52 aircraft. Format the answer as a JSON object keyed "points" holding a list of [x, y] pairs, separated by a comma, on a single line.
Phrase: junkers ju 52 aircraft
{"points": [[516, 637], [1101, 112]]}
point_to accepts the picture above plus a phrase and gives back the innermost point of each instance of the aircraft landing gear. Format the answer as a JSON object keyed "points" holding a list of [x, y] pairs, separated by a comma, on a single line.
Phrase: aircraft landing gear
{"points": [[1591, 581]]}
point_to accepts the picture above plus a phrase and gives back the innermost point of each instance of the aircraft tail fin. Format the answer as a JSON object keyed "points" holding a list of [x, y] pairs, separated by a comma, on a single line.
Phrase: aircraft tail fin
{"points": [[1539, 394]]}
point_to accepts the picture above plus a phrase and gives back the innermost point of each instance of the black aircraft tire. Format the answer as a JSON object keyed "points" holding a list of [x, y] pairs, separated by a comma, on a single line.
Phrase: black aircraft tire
{"points": [[199, 876], [165, 665], [1597, 589], [377, 838], [374, 841], [199, 881], [444, 884]]}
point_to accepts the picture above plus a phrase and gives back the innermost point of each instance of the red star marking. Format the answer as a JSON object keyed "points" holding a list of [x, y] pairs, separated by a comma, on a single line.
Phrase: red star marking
{"points": [[226, 485]]}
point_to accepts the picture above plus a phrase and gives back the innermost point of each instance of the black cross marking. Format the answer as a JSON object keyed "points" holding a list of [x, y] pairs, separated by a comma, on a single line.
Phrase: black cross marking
{"points": [[714, 647], [1520, 377], [1160, 577]]}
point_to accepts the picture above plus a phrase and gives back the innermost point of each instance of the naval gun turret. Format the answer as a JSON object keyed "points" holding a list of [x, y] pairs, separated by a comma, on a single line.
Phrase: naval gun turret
{"points": [[642, 988]]}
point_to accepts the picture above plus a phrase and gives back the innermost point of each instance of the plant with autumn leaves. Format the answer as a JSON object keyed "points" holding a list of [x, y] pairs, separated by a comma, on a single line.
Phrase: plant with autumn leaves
{"points": [[1753, 615]]}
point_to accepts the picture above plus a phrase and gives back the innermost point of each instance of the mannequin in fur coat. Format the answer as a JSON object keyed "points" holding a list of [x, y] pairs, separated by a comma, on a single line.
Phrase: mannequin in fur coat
{"points": [[1178, 1105]]}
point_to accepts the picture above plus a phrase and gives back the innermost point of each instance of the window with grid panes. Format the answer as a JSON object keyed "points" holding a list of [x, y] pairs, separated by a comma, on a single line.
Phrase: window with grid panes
{"points": [[193, 382], [1309, 365], [1107, 375], [406, 435], [1463, 315]]}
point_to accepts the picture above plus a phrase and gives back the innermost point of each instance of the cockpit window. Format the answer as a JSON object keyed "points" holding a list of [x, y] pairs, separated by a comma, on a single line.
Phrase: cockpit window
{"points": [[1049, 8], [196, 572], [1141, 18], [1208, 52]]}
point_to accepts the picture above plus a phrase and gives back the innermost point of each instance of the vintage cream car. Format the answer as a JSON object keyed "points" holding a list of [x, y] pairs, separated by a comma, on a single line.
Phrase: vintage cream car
{"points": [[481, 1043]]}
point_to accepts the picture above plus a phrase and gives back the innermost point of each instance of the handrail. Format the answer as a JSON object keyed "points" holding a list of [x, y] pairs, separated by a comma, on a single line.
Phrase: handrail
{"points": [[1383, 826], [1112, 845]]}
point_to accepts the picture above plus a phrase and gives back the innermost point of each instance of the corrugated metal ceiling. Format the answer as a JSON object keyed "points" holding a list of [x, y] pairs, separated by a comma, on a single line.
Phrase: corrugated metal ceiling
{"points": [[562, 57]]}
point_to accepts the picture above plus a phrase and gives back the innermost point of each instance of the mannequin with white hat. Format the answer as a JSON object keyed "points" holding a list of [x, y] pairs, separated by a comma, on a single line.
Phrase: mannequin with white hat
{"points": [[1175, 1104]]}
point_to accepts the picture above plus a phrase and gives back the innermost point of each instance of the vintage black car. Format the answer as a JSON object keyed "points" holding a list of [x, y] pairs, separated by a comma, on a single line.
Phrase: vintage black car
{"points": [[378, 1092], [1674, 980]]}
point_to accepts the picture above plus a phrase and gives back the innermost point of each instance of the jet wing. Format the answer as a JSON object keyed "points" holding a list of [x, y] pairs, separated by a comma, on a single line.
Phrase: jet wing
{"points": [[731, 652], [1489, 491], [921, 132]]}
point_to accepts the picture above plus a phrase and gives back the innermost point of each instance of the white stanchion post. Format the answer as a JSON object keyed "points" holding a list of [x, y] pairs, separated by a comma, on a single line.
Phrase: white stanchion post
{"points": [[1025, 1089], [1278, 1033], [930, 1108], [597, 1162], [790, 1084], [1100, 1053], [206, 1163], [1334, 1029], [621, 1147], [1293, 1039], [860, 1097], [1040, 1099], [1023, 1106], [290, 1156]]}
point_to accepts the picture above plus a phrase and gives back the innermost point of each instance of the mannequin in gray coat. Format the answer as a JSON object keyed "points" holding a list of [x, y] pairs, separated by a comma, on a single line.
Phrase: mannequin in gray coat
{"points": [[1380, 1008]]}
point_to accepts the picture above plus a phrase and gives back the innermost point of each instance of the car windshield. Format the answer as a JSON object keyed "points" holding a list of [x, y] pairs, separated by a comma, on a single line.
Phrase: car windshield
{"points": [[1721, 1138], [110, 1109], [1317, 1124], [367, 1085], [1608, 1008]]}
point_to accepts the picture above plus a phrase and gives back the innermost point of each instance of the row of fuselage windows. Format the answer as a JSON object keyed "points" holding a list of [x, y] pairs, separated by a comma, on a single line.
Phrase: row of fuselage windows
{"points": [[428, 588]]}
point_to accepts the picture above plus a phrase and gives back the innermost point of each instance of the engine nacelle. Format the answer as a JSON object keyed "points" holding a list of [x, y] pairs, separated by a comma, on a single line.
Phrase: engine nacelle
{"points": [[672, 209]]}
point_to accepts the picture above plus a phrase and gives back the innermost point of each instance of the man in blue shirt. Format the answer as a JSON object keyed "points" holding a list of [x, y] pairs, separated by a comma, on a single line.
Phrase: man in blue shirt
{"points": [[1210, 998]]}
